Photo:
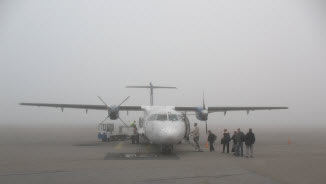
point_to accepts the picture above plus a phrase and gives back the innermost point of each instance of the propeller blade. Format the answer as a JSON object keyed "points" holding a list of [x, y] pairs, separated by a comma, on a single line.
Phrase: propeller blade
{"points": [[104, 102], [104, 120], [206, 126], [204, 106], [124, 101], [123, 122]]}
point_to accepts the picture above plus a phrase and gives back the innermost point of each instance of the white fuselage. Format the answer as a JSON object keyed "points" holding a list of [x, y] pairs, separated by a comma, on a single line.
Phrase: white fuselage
{"points": [[163, 125]]}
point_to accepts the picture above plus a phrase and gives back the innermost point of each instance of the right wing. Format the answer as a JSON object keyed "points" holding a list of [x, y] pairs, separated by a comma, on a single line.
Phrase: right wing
{"points": [[83, 106], [225, 109]]}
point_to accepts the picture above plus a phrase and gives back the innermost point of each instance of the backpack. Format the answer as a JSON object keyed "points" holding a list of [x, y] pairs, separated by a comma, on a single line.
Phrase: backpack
{"points": [[227, 138]]}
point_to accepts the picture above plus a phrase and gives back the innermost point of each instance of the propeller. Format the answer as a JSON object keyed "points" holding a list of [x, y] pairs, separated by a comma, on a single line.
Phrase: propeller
{"points": [[110, 109]]}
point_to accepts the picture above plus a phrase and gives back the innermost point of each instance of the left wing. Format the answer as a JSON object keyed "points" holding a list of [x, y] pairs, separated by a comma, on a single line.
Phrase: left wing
{"points": [[83, 106]]}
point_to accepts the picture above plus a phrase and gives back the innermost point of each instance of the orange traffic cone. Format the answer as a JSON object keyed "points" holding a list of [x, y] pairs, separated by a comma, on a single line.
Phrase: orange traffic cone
{"points": [[206, 145]]}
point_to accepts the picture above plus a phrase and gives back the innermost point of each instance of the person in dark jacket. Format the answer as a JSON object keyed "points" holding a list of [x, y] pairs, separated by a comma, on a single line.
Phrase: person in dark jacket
{"points": [[211, 139], [226, 140], [136, 135], [250, 141], [240, 138], [234, 142]]}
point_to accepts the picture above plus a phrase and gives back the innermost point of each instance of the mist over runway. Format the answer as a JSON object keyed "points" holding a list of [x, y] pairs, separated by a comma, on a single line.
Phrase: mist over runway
{"points": [[238, 53], [72, 154]]}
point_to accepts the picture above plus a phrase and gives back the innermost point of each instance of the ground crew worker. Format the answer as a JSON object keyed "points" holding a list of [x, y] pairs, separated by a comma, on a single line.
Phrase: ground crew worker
{"points": [[195, 134], [136, 135], [250, 141], [211, 139], [226, 140], [240, 138], [133, 137], [133, 124]]}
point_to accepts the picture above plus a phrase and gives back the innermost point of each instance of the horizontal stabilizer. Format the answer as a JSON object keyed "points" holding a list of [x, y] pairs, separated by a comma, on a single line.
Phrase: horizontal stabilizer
{"points": [[153, 87]]}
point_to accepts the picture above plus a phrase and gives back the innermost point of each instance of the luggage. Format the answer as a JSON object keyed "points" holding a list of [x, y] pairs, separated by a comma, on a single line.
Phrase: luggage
{"points": [[233, 148]]}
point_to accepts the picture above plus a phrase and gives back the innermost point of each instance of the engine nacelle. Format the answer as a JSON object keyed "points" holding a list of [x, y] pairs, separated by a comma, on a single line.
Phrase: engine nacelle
{"points": [[114, 112], [202, 115]]}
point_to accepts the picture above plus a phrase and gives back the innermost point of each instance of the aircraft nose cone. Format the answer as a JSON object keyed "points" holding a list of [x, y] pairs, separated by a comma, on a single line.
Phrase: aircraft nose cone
{"points": [[170, 136]]}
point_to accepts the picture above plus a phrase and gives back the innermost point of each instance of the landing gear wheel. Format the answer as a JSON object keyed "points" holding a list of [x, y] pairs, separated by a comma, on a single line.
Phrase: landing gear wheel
{"points": [[167, 149]]}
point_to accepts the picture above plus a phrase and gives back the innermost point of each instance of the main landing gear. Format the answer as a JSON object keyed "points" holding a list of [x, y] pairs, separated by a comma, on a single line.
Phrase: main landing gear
{"points": [[167, 149]]}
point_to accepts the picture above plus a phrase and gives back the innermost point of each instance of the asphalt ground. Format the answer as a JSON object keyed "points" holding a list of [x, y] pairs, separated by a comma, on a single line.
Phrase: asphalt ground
{"points": [[33, 155]]}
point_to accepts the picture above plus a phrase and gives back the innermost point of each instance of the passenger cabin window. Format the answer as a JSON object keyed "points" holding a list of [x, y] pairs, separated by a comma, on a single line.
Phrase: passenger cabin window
{"points": [[162, 117]]}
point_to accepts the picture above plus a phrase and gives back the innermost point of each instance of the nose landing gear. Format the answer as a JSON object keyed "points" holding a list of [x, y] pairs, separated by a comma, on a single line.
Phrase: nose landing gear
{"points": [[167, 149]]}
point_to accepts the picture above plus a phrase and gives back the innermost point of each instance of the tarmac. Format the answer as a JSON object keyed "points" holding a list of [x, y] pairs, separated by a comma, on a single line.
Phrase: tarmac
{"points": [[54, 155]]}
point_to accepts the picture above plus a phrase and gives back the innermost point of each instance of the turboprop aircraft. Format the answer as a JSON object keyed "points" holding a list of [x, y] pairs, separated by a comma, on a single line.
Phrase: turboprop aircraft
{"points": [[162, 125]]}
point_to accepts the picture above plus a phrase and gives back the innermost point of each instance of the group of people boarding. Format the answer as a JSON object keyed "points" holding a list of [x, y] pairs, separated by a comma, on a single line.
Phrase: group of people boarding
{"points": [[238, 138]]}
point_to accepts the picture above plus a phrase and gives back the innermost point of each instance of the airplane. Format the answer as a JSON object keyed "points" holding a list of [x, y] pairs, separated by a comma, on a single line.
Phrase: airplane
{"points": [[160, 125]]}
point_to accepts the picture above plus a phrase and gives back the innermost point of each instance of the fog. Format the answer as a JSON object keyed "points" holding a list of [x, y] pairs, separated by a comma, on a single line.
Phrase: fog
{"points": [[240, 53]]}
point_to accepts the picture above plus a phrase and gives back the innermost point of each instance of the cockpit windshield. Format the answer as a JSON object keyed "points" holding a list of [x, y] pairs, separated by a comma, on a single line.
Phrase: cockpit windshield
{"points": [[165, 117], [162, 117]]}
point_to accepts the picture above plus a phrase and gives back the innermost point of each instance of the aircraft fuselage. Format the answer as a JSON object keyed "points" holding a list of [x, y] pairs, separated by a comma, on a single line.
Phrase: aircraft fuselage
{"points": [[163, 125]]}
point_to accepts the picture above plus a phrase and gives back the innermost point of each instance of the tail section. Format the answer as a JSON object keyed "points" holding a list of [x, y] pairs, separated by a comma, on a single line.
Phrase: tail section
{"points": [[152, 87]]}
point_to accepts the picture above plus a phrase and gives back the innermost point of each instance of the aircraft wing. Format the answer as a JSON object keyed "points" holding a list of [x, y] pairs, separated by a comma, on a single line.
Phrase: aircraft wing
{"points": [[83, 106], [225, 109]]}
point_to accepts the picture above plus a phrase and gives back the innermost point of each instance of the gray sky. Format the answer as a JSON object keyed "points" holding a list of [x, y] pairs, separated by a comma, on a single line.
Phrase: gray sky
{"points": [[257, 52]]}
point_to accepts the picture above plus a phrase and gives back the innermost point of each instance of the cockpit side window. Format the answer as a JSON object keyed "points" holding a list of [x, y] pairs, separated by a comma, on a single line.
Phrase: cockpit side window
{"points": [[173, 117], [162, 117]]}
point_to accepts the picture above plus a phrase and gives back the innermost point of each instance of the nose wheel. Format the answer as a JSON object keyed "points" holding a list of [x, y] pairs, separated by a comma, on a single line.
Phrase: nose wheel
{"points": [[167, 149]]}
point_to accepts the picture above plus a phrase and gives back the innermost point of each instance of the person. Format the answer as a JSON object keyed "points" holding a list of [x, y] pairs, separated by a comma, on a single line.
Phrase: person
{"points": [[250, 141], [136, 135], [240, 137], [104, 137], [226, 140], [108, 135], [195, 134], [234, 141], [133, 124], [133, 136], [211, 139]]}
